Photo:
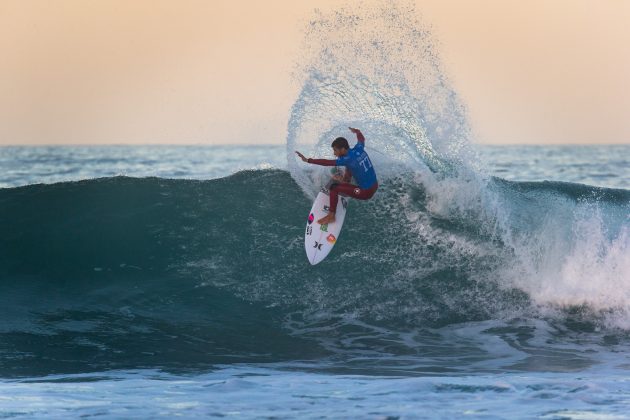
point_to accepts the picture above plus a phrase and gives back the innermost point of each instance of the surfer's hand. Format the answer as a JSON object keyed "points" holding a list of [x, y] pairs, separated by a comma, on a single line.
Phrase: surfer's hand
{"points": [[301, 156], [354, 130]]}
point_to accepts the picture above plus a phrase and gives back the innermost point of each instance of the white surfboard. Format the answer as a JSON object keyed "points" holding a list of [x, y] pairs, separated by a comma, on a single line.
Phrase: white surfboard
{"points": [[319, 240]]}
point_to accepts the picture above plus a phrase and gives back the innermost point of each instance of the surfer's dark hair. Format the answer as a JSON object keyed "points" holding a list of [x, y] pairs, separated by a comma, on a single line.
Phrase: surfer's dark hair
{"points": [[340, 143]]}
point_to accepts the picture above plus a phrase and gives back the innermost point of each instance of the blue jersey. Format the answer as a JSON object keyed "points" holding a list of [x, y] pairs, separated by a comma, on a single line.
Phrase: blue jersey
{"points": [[359, 163]]}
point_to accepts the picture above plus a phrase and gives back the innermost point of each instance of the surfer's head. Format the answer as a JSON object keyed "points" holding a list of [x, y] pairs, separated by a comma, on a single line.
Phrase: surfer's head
{"points": [[340, 146]]}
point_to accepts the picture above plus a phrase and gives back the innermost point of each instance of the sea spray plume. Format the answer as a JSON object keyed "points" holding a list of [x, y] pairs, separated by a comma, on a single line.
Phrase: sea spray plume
{"points": [[376, 67]]}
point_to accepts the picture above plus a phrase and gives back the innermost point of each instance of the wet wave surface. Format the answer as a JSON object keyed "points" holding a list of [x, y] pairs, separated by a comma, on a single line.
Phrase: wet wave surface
{"points": [[129, 273]]}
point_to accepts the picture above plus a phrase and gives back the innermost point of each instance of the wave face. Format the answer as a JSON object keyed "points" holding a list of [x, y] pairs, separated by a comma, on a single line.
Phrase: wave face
{"points": [[126, 272]]}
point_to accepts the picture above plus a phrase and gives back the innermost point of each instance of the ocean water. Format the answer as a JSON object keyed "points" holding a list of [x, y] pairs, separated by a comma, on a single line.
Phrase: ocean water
{"points": [[603, 166], [189, 294], [480, 282]]}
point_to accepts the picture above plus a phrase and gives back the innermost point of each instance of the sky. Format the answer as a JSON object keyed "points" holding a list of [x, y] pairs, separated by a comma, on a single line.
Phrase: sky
{"points": [[220, 71]]}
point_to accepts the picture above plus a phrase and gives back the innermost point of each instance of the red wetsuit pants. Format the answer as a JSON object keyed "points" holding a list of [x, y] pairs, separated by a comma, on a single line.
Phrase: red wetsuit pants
{"points": [[349, 190], [344, 188]]}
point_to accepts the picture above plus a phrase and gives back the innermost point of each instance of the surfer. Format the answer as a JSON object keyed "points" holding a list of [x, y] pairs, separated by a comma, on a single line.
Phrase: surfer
{"points": [[357, 163]]}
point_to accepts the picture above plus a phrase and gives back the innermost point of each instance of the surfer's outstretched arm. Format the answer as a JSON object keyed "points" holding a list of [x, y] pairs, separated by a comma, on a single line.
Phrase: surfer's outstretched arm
{"points": [[360, 137], [322, 162]]}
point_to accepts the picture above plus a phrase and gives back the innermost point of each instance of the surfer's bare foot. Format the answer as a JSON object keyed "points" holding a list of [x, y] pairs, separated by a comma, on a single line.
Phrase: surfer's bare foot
{"points": [[327, 219]]}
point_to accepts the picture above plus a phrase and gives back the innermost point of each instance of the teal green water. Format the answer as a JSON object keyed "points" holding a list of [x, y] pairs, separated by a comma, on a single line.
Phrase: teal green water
{"points": [[140, 272], [197, 295]]}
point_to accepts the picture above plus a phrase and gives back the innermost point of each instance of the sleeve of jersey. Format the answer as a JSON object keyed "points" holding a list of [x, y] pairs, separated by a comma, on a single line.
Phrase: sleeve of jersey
{"points": [[323, 162]]}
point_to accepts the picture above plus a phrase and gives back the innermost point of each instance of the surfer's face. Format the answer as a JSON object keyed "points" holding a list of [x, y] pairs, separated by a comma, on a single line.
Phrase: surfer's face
{"points": [[340, 151]]}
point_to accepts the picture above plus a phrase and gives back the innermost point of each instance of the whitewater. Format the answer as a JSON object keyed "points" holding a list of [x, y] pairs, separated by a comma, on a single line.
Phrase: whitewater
{"points": [[480, 282]]}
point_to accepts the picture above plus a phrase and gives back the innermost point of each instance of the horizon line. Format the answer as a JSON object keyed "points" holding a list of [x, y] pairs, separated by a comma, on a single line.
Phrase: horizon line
{"points": [[275, 144]]}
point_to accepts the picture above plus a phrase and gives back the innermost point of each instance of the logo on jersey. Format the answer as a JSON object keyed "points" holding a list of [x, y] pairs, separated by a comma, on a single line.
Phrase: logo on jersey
{"points": [[357, 191], [331, 238], [311, 217]]}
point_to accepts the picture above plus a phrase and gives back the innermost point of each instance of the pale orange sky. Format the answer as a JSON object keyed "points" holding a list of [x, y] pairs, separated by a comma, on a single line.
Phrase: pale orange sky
{"points": [[219, 72]]}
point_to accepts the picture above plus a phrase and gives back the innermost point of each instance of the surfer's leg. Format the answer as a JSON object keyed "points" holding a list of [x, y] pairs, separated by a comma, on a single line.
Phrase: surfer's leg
{"points": [[353, 191], [348, 190], [334, 191], [364, 194], [330, 217]]}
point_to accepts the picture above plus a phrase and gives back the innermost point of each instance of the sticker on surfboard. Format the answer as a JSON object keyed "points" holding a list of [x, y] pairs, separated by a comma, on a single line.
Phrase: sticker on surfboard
{"points": [[319, 240]]}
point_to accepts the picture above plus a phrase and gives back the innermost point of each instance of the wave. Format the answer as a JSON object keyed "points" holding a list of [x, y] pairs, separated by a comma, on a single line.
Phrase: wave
{"points": [[126, 271]]}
